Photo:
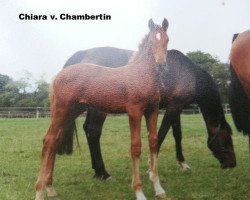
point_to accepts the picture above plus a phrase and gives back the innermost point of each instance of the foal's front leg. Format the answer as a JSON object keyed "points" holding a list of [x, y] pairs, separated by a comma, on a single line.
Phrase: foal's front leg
{"points": [[151, 121], [135, 131]]}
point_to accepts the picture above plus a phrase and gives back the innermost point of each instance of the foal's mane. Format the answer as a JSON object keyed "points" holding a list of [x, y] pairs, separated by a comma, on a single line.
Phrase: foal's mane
{"points": [[143, 45]]}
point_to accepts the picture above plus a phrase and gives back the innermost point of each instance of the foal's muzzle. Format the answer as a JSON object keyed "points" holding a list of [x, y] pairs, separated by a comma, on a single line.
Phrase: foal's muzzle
{"points": [[161, 60]]}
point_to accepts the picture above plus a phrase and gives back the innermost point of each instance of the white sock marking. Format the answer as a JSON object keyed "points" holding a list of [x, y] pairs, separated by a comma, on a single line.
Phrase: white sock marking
{"points": [[51, 191], [156, 183], [140, 195], [39, 195]]}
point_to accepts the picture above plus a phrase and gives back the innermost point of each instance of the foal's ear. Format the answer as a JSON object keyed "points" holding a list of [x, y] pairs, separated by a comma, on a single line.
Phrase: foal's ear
{"points": [[165, 24], [151, 25]]}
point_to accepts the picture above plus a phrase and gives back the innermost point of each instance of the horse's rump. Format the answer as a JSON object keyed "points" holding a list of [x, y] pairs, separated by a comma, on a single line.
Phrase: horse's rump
{"points": [[238, 99]]}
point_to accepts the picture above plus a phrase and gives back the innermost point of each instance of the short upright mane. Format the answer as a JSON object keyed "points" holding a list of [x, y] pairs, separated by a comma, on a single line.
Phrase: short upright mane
{"points": [[144, 43], [142, 46]]}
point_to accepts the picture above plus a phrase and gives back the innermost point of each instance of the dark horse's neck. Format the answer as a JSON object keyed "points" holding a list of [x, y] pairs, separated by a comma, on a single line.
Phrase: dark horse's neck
{"points": [[209, 101]]}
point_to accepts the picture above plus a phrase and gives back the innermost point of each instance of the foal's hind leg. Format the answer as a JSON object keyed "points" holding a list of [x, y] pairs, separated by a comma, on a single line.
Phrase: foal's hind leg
{"points": [[176, 125], [93, 130], [50, 145], [151, 121]]}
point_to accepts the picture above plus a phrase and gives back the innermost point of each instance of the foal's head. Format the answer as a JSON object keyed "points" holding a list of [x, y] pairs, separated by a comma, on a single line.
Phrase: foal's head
{"points": [[221, 144], [158, 40]]}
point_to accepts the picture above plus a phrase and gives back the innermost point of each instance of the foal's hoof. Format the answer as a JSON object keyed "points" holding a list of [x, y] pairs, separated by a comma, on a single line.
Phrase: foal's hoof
{"points": [[51, 192], [161, 196], [55, 198]]}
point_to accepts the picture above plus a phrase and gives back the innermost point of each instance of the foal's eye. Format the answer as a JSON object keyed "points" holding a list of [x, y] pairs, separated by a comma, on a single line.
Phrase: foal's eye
{"points": [[158, 36]]}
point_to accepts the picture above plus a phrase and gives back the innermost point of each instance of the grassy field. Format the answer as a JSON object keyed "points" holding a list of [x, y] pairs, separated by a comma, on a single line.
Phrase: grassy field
{"points": [[21, 142]]}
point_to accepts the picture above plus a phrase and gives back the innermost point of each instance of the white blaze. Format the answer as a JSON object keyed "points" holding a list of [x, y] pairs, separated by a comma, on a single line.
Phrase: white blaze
{"points": [[158, 36]]}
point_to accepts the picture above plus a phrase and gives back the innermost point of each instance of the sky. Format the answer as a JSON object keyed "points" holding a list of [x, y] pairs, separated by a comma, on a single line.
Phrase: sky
{"points": [[42, 47]]}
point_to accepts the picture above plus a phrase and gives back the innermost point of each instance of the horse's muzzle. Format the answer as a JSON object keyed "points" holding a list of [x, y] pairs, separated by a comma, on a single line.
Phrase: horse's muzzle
{"points": [[161, 60], [228, 165]]}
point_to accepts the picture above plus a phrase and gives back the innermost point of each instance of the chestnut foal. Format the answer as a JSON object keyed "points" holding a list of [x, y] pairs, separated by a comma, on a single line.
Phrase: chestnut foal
{"points": [[133, 88]]}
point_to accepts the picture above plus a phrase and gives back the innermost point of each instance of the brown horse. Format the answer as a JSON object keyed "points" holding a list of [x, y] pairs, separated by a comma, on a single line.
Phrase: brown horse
{"points": [[133, 88], [240, 82], [240, 59]]}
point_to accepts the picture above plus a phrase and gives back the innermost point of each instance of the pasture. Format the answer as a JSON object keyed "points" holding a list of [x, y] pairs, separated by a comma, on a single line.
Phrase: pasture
{"points": [[20, 149]]}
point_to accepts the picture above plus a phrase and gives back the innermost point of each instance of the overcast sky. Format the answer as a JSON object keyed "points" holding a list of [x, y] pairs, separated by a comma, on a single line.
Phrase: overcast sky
{"points": [[42, 47]]}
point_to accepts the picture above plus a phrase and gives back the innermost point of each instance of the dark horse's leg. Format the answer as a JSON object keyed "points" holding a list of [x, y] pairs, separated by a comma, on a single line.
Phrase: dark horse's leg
{"points": [[174, 121], [93, 130], [176, 125], [164, 128]]}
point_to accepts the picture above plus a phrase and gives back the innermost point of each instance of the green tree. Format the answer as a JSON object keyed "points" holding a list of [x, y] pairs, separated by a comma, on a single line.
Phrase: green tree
{"points": [[24, 82], [4, 79], [8, 91], [23, 92], [218, 70], [41, 93]]}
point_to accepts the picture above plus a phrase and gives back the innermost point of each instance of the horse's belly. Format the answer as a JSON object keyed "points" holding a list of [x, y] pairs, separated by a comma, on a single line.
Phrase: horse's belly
{"points": [[110, 101]]}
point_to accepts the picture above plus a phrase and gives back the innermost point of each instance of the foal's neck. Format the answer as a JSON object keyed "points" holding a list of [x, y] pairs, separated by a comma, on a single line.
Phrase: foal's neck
{"points": [[144, 54], [145, 57]]}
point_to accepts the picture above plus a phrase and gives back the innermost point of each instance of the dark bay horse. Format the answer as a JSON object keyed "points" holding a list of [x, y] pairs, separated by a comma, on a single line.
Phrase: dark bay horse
{"points": [[240, 82], [111, 90], [184, 83]]}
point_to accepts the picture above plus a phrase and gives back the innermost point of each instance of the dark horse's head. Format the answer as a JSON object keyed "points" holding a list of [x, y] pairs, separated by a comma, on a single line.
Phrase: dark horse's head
{"points": [[221, 144]]}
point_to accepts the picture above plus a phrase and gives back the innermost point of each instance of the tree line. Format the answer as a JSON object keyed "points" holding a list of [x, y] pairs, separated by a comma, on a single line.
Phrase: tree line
{"points": [[23, 93]]}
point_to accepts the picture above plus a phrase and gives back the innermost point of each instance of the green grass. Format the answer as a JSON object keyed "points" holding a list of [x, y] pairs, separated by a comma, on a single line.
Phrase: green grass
{"points": [[21, 143]]}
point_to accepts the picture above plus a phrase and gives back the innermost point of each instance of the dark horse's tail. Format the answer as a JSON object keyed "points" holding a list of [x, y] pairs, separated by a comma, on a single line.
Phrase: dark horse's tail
{"points": [[239, 103], [66, 145]]}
